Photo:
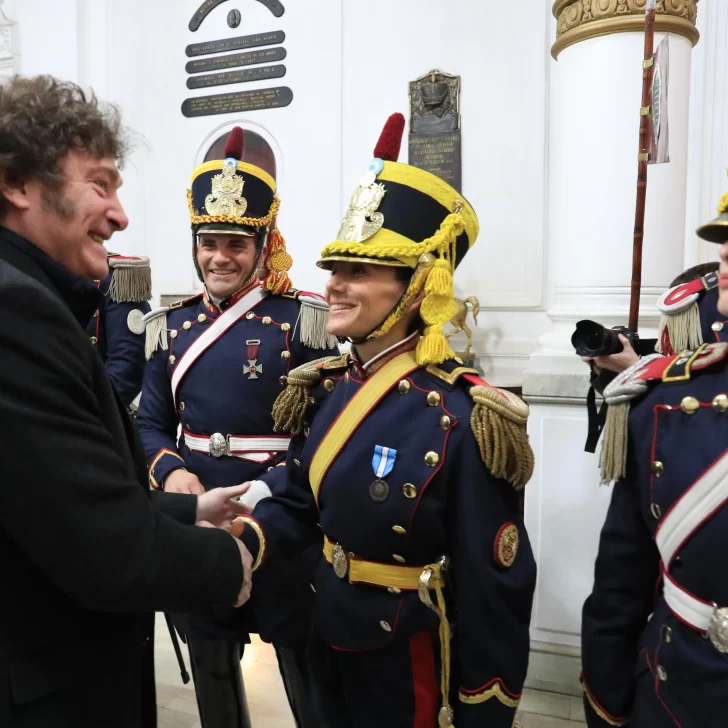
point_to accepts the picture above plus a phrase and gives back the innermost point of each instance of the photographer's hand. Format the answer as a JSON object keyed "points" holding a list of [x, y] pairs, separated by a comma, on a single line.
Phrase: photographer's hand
{"points": [[616, 362]]}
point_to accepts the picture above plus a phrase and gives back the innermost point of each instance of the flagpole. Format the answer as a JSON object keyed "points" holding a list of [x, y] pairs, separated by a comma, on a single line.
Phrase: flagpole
{"points": [[648, 70]]}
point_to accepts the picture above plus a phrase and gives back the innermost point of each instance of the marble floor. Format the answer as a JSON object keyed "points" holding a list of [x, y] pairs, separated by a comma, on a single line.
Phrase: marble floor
{"points": [[267, 699]]}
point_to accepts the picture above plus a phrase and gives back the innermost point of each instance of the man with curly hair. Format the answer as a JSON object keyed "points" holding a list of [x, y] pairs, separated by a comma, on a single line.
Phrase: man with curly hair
{"points": [[87, 553]]}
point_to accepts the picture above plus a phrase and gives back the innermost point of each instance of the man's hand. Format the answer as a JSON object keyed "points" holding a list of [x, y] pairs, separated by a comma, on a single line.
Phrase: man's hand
{"points": [[247, 560], [615, 362], [182, 481], [218, 507]]}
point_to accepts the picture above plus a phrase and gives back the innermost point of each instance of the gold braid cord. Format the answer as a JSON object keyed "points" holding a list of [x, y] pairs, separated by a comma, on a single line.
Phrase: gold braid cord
{"points": [[290, 406], [499, 423], [232, 219]]}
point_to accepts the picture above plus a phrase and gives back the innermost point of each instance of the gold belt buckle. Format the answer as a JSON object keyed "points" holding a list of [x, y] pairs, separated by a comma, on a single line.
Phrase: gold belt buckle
{"points": [[340, 561]]}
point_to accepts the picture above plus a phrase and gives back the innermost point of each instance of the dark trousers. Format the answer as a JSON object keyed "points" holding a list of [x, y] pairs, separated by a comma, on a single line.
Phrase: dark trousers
{"points": [[396, 687], [220, 691], [219, 688]]}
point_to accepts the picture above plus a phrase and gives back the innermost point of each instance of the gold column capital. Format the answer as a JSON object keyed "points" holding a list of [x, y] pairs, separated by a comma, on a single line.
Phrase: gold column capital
{"points": [[583, 19]]}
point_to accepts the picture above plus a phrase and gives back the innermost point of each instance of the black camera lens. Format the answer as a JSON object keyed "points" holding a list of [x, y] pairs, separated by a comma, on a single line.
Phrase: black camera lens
{"points": [[593, 339]]}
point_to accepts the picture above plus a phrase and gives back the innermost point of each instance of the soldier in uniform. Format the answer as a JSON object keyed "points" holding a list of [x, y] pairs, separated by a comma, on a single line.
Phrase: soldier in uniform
{"points": [[413, 467], [117, 328], [215, 370], [655, 628]]}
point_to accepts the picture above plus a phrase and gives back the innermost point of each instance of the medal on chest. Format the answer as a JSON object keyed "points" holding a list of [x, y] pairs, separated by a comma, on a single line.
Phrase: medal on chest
{"points": [[382, 464], [253, 369]]}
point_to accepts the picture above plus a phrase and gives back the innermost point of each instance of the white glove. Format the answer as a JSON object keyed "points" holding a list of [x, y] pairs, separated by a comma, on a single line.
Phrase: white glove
{"points": [[257, 491]]}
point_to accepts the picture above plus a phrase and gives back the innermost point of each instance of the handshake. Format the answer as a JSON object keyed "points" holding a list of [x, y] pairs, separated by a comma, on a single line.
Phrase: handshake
{"points": [[222, 508]]}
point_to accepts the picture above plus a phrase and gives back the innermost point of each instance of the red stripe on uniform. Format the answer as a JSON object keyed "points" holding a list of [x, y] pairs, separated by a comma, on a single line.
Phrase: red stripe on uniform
{"points": [[424, 681]]}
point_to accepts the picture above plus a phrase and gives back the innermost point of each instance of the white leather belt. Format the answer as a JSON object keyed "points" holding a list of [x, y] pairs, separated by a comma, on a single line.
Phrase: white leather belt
{"points": [[697, 505], [257, 449]]}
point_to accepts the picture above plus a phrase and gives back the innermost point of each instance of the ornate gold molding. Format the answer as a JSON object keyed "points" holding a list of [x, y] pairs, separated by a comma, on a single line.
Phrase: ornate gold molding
{"points": [[582, 19]]}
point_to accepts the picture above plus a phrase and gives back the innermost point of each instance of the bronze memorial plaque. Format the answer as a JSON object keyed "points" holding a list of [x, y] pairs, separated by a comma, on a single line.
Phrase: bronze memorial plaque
{"points": [[238, 101], [434, 140], [239, 43], [253, 58], [249, 74], [202, 12]]}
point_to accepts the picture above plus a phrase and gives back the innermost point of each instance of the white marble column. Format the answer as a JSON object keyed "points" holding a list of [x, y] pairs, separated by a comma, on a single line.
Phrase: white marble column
{"points": [[593, 141], [8, 39], [595, 98]]}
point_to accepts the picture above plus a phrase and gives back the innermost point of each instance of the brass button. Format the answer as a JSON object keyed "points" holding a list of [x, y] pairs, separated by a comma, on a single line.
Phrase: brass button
{"points": [[269, 469], [394, 590], [666, 634], [202, 318], [404, 387], [283, 380], [720, 402], [445, 422], [173, 334], [661, 673], [329, 385], [657, 468], [266, 320], [250, 315], [93, 339], [717, 326], [182, 406], [433, 399], [398, 558], [296, 462], [385, 626], [432, 459], [399, 529], [96, 313], [690, 405], [172, 358], [409, 490], [285, 327], [459, 360], [347, 378], [285, 355], [186, 325], [656, 511]]}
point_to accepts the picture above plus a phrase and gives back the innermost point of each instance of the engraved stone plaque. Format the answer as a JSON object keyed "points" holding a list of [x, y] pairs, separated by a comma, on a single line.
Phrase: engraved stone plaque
{"points": [[206, 65], [238, 43], [237, 102], [249, 74]]}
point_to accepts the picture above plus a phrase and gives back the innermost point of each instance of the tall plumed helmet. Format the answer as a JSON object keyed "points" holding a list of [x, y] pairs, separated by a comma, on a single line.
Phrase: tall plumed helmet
{"points": [[403, 216], [716, 231], [233, 197]]}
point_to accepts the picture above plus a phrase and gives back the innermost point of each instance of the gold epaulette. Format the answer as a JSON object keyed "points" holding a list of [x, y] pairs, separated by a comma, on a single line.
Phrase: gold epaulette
{"points": [[498, 421], [131, 279], [290, 406], [338, 362], [450, 377]]}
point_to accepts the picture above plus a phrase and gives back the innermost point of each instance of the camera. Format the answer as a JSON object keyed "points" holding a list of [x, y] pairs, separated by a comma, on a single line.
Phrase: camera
{"points": [[593, 339]]}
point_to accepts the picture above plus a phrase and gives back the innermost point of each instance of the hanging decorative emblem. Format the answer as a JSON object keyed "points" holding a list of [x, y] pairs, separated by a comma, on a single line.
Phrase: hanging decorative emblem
{"points": [[361, 220], [227, 191]]}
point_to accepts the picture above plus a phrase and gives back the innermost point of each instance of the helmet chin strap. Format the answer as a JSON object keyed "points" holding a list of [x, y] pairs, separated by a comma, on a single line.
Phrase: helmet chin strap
{"points": [[368, 336]]}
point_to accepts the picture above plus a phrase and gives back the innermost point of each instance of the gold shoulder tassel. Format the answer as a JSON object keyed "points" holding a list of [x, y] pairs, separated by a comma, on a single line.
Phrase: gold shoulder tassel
{"points": [[290, 406], [683, 330], [499, 423], [614, 448], [131, 281]]}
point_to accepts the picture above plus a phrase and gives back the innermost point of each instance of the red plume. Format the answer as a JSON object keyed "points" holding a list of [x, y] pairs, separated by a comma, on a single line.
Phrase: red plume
{"points": [[390, 139], [234, 144]]}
